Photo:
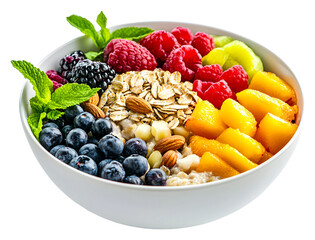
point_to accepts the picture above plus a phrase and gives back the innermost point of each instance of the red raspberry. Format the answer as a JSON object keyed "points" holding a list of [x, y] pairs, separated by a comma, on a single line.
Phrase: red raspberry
{"points": [[185, 60], [183, 35], [216, 93], [236, 77], [209, 73], [54, 76], [160, 44], [124, 55], [203, 42], [56, 85]]}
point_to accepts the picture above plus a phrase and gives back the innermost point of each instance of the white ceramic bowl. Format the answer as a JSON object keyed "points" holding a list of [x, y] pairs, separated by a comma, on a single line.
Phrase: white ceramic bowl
{"points": [[161, 207]]}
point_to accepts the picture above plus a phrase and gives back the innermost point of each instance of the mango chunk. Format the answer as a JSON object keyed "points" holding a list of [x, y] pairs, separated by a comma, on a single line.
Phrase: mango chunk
{"points": [[265, 157], [212, 163], [272, 85], [199, 145], [205, 121], [274, 133], [259, 104], [236, 116], [246, 145]]}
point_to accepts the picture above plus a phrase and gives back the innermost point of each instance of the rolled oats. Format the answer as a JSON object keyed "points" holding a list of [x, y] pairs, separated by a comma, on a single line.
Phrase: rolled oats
{"points": [[171, 99]]}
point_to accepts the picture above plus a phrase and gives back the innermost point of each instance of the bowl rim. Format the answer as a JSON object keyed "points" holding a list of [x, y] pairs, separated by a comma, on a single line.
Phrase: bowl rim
{"points": [[23, 117]]}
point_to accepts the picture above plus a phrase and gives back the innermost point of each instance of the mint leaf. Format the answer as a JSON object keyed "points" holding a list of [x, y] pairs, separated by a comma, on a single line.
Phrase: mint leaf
{"points": [[104, 32], [131, 33], [70, 94], [36, 104], [86, 27], [41, 83], [94, 55], [54, 114], [35, 121]]}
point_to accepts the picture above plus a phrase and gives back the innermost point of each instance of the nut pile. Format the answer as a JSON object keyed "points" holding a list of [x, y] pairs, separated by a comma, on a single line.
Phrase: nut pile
{"points": [[148, 96]]}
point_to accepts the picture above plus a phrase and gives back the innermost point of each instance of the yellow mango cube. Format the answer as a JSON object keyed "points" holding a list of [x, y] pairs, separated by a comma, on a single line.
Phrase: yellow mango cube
{"points": [[205, 121], [259, 104], [274, 133], [246, 145], [272, 85], [265, 157], [236, 116], [199, 145], [212, 163]]}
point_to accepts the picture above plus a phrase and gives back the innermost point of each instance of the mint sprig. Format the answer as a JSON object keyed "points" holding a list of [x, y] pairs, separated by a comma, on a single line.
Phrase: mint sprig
{"points": [[102, 37], [48, 104]]}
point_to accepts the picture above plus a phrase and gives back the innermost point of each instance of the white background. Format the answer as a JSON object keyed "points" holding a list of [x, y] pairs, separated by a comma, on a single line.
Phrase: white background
{"points": [[32, 207]]}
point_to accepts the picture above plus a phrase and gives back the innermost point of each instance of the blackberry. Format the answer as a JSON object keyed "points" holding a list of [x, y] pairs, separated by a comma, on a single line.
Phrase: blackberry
{"points": [[68, 63], [94, 74]]}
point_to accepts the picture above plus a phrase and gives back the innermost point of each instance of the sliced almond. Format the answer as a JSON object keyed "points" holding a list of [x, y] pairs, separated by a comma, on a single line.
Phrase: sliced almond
{"points": [[138, 105], [170, 143], [93, 109]]}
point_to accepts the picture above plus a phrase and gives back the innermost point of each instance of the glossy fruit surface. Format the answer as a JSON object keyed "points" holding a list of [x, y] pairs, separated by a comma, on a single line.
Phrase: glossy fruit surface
{"points": [[113, 171], [84, 164], [50, 137], [111, 146], [135, 165]]}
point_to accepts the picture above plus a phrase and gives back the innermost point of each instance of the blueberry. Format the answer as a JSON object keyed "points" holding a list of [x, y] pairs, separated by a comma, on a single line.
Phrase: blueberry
{"points": [[133, 179], [72, 112], [92, 151], [102, 164], [50, 124], [50, 137], [135, 146], [61, 122], [111, 145], [84, 120], [84, 164], [135, 165], [66, 129], [92, 139], [156, 177], [113, 171], [55, 149], [76, 138], [119, 158], [101, 127], [66, 154]]}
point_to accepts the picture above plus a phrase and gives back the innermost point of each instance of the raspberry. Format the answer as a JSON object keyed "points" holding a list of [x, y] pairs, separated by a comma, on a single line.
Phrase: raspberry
{"points": [[124, 55], [203, 42], [160, 44], [56, 85], [183, 35], [185, 60], [209, 73], [54, 76], [236, 77], [215, 93]]}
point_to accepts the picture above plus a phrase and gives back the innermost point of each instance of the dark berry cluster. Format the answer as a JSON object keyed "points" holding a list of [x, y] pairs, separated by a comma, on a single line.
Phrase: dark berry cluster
{"points": [[68, 62], [88, 145], [94, 74]]}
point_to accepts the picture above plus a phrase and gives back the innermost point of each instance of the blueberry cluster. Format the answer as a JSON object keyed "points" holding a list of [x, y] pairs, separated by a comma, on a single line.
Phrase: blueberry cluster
{"points": [[88, 145]]}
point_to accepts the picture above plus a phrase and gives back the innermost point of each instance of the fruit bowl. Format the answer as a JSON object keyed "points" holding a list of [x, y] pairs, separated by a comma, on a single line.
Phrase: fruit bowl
{"points": [[153, 206]]}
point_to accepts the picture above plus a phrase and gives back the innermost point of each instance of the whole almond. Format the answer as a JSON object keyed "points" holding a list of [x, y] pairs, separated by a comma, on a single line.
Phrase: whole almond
{"points": [[169, 159], [170, 143], [94, 99], [93, 109], [138, 105]]}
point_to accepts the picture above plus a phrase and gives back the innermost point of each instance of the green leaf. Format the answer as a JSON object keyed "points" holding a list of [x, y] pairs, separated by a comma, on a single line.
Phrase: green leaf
{"points": [[41, 83], [36, 104], [131, 33], [71, 94], [104, 32], [86, 27], [35, 122], [54, 114], [94, 55]]}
